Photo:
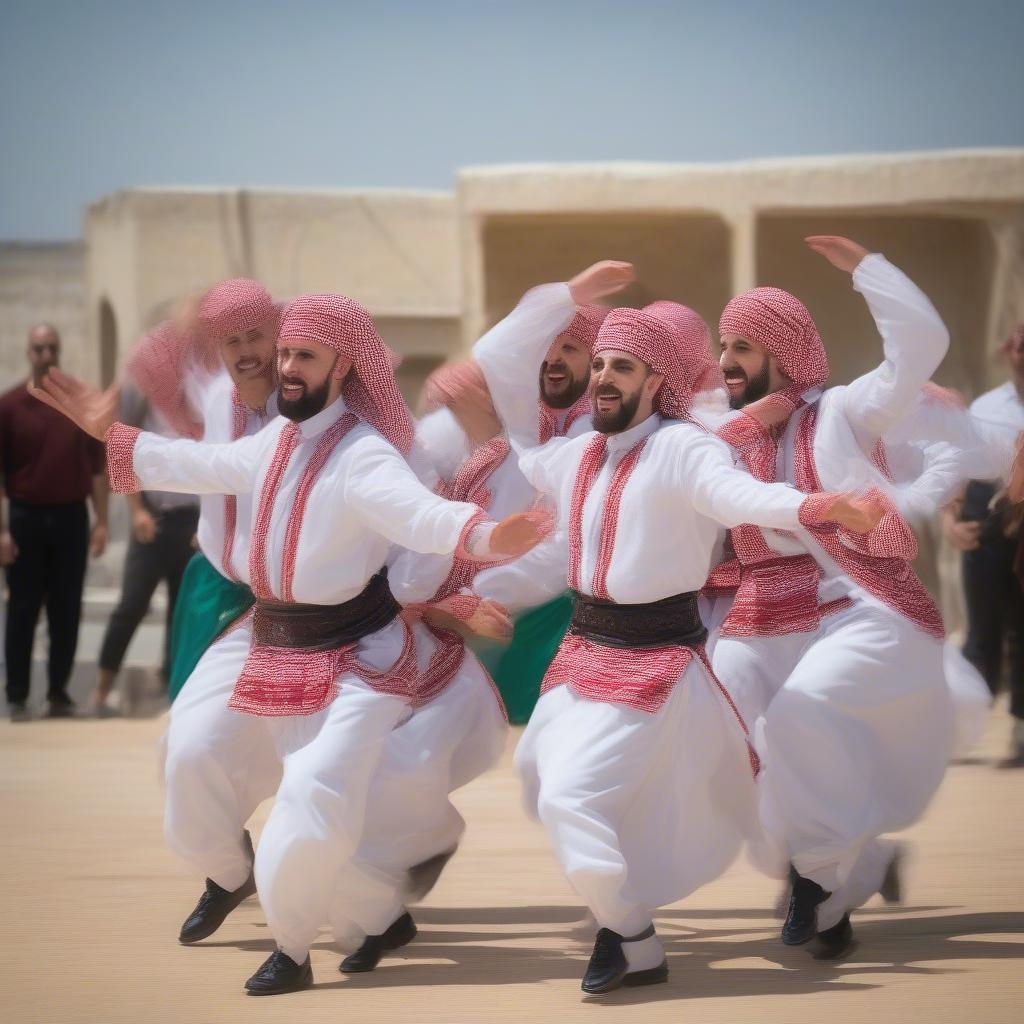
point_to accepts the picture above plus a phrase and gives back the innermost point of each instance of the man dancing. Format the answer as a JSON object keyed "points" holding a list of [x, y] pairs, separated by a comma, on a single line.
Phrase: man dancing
{"points": [[635, 759], [831, 637], [331, 668]]}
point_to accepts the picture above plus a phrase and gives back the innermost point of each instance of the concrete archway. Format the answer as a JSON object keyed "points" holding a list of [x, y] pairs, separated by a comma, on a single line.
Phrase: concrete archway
{"points": [[108, 342]]}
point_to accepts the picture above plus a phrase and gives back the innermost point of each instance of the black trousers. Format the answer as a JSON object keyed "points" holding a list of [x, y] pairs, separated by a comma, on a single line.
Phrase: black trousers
{"points": [[145, 565], [53, 547], [995, 617]]}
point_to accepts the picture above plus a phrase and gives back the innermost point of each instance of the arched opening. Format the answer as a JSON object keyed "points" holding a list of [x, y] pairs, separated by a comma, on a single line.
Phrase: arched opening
{"points": [[108, 343]]}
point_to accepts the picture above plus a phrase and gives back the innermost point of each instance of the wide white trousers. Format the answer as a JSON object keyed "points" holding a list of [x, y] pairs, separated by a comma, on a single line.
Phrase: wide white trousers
{"points": [[641, 809], [854, 727], [410, 817], [218, 766]]}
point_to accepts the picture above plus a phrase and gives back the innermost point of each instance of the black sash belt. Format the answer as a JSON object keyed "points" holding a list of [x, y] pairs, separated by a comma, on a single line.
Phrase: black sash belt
{"points": [[670, 621], [326, 627]]}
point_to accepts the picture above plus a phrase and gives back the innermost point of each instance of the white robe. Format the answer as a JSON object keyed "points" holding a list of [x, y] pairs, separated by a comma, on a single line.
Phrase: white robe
{"points": [[854, 721], [641, 807], [365, 498], [216, 769]]}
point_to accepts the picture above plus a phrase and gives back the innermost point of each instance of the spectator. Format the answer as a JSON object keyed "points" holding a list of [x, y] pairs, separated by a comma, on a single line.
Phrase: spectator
{"points": [[982, 525], [159, 548], [48, 468]]}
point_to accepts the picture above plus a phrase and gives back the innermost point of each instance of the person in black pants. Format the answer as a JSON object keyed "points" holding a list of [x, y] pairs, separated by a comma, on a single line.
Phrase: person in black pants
{"points": [[160, 546], [49, 469], [985, 526]]}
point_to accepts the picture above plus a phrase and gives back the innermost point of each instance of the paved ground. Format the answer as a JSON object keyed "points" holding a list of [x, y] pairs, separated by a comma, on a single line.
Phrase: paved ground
{"points": [[92, 902]]}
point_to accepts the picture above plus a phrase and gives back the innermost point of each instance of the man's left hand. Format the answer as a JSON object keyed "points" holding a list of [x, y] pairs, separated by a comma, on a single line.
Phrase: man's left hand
{"points": [[98, 540], [840, 252]]}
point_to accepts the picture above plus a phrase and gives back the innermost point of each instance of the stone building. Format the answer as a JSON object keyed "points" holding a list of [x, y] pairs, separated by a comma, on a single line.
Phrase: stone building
{"points": [[436, 268]]}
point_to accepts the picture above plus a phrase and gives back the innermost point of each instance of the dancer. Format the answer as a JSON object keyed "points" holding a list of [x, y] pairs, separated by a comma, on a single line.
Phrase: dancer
{"points": [[331, 668], [831, 637], [635, 759]]}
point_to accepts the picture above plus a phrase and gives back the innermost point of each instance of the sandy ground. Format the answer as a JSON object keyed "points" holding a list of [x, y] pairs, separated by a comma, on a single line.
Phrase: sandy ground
{"points": [[92, 902]]}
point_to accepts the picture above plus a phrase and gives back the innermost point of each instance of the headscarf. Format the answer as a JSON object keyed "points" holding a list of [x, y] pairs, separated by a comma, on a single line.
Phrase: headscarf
{"points": [[651, 340], [694, 340], [234, 307], [779, 321], [370, 389]]}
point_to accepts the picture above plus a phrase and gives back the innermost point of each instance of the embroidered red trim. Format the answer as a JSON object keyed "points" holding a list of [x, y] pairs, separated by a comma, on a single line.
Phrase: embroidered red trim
{"points": [[121, 441]]}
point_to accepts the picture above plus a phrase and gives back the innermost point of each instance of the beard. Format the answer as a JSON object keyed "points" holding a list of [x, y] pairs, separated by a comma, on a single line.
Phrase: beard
{"points": [[307, 405], [615, 422], [757, 387], [565, 394]]}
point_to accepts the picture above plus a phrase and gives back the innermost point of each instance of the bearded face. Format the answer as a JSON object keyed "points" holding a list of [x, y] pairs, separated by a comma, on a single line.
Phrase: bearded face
{"points": [[746, 366], [565, 373]]}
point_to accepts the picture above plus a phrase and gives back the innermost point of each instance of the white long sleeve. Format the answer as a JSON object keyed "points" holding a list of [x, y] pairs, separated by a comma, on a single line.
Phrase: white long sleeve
{"points": [[534, 579], [512, 351], [731, 496], [197, 467], [914, 342], [385, 493]]}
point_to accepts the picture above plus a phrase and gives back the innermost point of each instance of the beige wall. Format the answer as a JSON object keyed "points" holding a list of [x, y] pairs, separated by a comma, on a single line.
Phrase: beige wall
{"points": [[393, 250], [41, 282]]}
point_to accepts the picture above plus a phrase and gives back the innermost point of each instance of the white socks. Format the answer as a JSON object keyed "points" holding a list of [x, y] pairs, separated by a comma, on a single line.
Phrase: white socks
{"points": [[643, 955]]}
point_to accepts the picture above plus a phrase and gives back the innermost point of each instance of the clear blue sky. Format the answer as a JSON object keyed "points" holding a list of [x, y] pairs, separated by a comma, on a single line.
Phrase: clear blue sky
{"points": [[97, 95]]}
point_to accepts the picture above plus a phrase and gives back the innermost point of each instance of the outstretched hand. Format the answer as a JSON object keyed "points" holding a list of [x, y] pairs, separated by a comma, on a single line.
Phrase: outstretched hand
{"points": [[469, 614], [605, 277], [840, 252], [858, 513], [87, 406], [517, 534]]}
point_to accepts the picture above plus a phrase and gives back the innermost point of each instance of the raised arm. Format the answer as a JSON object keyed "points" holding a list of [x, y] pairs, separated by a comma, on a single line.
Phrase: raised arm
{"points": [[512, 351], [914, 338]]}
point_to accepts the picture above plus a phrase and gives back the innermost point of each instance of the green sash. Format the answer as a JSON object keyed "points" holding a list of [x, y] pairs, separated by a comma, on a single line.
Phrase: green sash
{"points": [[519, 668], [207, 604]]}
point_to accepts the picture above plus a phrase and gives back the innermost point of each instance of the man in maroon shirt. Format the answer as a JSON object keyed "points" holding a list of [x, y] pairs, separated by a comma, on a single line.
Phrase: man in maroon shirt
{"points": [[48, 467]]}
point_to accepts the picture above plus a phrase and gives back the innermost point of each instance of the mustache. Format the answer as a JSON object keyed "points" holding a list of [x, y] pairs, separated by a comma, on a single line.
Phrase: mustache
{"points": [[734, 371], [293, 380], [608, 391]]}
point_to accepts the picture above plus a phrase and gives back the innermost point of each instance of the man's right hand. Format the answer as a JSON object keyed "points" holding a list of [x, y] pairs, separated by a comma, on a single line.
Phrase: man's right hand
{"points": [[603, 278], [8, 549], [144, 526], [87, 406], [964, 534]]}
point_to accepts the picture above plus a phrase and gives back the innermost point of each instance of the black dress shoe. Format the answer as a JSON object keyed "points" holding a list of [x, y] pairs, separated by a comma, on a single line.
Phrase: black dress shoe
{"points": [[213, 907], [278, 974], [801, 924], [835, 942], [399, 933], [422, 877], [608, 968]]}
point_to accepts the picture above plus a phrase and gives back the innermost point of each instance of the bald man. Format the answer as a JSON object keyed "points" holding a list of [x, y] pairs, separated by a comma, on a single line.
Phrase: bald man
{"points": [[48, 470]]}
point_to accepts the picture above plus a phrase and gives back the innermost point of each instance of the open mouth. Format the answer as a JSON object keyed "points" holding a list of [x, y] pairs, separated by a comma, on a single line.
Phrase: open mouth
{"points": [[735, 380], [247, 365], [607, 403], [292, 391]]}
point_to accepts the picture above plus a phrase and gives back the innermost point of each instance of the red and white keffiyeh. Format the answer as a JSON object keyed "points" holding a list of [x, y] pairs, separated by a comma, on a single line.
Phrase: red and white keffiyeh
{"points": [[650, 339], [781, 322], [586, 324], [370, 389], [233, 307], [694, 339], [157, 366]]}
